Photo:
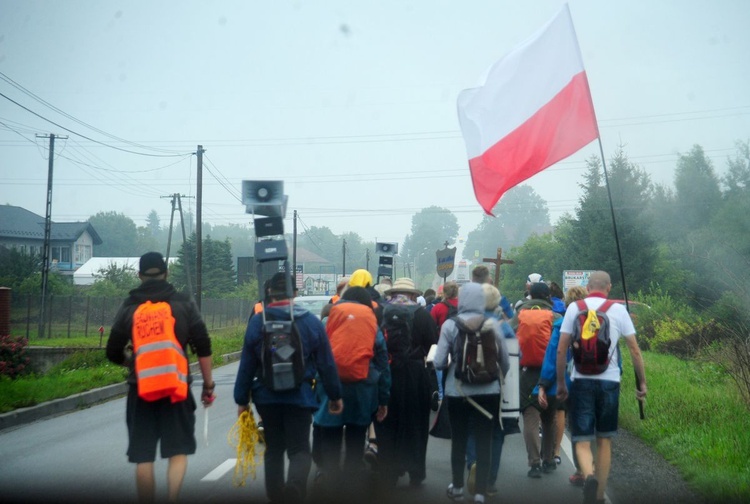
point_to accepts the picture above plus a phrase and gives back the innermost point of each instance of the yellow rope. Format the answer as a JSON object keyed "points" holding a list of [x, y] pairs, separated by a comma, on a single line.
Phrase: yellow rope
{"points": [[245, 435]]}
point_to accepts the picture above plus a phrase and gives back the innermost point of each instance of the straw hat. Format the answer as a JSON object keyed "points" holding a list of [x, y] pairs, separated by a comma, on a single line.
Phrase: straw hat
{"points": [[405, 285]]}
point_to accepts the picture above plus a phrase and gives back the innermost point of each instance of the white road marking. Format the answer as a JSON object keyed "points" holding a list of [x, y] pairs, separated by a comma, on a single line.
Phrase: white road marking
{"points": [[220, 471]]}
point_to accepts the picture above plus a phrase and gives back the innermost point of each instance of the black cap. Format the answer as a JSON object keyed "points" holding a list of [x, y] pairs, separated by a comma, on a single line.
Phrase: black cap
{"points": [[152, 264], [539, 290]]}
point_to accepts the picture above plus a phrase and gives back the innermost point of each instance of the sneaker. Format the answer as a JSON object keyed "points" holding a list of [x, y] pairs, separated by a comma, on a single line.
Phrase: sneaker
{"points": [[455, 493], [371, 456], [576, 479], [491, 491], [590, 486], [479, 498], [558, 460], [548, 466], [435, 401], [535, 471], [471, 481]]}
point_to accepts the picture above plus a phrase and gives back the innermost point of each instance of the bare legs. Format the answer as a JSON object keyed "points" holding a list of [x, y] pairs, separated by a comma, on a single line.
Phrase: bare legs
{"points": [[145, 483]]}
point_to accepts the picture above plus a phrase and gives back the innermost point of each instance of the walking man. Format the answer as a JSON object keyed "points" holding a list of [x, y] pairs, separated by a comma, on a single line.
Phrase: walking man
{"points": [[150, 335], [594, 403], [287, 414]]}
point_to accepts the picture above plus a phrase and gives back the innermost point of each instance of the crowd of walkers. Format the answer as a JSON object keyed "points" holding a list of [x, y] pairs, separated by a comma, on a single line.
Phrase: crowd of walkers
{"points": [[362, 378]]}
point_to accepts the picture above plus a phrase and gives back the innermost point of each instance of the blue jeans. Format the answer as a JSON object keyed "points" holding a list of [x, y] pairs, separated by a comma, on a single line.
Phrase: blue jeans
{"points": [[498, 438], [439, 373], [594, 405]]}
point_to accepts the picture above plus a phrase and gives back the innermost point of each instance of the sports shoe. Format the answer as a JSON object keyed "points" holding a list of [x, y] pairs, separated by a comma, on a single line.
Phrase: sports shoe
{"points": [[590, 486], [479, 499], [435, 401], [558, 460], [576, 479], [548, 467], [491, 491], [455, 493], [535, 471], [371, 456], [471, 481]]}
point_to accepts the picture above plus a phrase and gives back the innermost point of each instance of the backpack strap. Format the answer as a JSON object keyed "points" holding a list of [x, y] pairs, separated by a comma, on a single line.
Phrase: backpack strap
{"points": [[606, 305]]}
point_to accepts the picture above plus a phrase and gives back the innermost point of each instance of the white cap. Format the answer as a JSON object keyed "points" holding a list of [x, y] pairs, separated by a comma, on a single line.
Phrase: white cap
{"points": [[534, 278]]}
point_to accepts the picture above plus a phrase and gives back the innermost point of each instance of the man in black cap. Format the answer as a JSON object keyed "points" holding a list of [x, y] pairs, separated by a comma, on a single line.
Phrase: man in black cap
{"points": [[150, 335]]}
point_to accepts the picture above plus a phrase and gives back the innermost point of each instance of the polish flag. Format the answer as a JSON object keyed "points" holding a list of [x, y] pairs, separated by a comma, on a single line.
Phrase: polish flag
{"points": [[533, 110]]}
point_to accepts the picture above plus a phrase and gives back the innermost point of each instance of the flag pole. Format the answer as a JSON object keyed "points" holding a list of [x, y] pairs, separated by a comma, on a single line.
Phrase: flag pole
{"points": [[619, 256]]}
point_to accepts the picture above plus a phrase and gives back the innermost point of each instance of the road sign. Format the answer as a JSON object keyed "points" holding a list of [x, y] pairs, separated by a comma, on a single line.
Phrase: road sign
{"points": [[572, 278]]}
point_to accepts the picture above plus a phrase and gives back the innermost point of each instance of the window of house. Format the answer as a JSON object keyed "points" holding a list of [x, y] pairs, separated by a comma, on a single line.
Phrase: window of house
{"points": [[61, 254], [83, 253]]}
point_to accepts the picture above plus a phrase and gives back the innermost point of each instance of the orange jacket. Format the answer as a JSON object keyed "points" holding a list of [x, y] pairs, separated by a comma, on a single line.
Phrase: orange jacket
{"points": [[161, 366]]}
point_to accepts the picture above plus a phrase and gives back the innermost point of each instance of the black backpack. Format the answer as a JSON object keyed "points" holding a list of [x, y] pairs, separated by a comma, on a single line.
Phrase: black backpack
{"points": [[590, 340], [283, 359], [397, 326], [476, 354]]}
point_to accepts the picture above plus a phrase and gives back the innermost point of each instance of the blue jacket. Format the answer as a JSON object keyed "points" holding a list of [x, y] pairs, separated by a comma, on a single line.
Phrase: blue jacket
{"points": [[548, 377], [318, 360]]}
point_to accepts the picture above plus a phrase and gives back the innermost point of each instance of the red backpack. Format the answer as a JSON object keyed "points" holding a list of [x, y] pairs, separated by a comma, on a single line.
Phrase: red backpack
{"points": [[590, 340], [533, 333]]}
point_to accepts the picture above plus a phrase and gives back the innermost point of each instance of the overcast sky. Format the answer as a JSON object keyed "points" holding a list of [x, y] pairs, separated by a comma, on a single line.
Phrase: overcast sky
{"points": [[351, 103]]}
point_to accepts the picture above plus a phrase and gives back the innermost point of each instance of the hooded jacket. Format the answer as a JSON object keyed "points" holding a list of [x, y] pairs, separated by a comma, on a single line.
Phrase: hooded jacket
{"points": [[471, 312]]}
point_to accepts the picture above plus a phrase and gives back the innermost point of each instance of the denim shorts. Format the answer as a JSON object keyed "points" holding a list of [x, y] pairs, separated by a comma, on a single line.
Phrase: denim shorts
{"points": [[594, 405]]}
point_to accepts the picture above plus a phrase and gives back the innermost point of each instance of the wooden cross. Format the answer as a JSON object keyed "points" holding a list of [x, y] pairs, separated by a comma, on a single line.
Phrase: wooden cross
{"points": [[497, 262]]}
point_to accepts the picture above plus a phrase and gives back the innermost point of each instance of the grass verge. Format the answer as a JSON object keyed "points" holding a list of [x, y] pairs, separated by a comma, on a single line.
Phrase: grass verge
{"points": [[696, 419], [89, 370]]}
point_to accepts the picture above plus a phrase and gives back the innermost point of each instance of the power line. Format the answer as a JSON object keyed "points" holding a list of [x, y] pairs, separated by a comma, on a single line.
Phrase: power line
{"points": [[86, 137]]}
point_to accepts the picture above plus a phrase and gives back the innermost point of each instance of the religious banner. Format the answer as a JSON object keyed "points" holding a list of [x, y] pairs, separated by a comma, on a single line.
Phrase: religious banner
{"points": [[445, 261]]}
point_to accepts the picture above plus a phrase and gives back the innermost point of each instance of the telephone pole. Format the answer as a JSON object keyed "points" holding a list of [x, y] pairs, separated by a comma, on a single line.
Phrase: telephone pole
{"points": [[199, 229], [343, 251], [47, 230]]}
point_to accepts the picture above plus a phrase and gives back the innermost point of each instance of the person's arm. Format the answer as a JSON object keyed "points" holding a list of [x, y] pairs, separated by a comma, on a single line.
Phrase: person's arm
{"points": [[248, 366], [548, 375], [640, 369], [380, 360], [562, 352], [443, 347], [119, 337]]}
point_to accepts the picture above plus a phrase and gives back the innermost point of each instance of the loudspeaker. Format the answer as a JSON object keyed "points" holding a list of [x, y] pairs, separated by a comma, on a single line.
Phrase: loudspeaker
{"points": [[386, 248], [385, 271], [264, 197], [270, 250], [268, 226], [385, 260]]}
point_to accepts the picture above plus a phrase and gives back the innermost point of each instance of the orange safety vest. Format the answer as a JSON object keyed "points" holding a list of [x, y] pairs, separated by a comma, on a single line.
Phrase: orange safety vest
{"points": [[352, 328], [161, 366], [335, 299]]}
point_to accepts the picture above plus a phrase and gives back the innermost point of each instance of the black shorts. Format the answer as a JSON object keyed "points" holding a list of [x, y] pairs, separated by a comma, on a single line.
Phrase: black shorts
{"points": [[152, 421]]}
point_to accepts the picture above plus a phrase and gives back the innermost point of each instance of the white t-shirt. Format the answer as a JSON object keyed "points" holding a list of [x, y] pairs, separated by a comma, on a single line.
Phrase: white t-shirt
{"points": [[621, 325]]}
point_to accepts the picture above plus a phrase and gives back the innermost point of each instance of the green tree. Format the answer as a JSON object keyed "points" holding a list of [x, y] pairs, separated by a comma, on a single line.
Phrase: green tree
{"points": [[118, 233], [152, 223], [519, 214], [697, 195], [16, 266], [430, 228], [589, 242], [113, 281], [218, 275]]}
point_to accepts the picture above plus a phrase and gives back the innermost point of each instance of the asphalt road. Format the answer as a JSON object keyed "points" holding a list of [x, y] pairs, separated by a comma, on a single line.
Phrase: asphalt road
{"points": [[80, 457]]}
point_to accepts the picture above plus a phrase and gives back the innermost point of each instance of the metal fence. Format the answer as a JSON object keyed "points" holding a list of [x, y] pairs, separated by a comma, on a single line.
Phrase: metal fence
{"points": [[82, 316]]}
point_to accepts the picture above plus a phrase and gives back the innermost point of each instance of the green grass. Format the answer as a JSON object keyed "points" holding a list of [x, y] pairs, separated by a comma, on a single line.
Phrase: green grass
{"points": [[697, 420], [89, 370]]}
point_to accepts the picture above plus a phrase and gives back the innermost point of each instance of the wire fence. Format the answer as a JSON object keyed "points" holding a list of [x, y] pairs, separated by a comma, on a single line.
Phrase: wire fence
{"points": [[83, 316]]}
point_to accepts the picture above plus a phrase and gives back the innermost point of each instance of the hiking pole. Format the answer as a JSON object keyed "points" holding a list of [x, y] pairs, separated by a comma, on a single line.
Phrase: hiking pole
{"points": [[205, 424], [640, 403]]}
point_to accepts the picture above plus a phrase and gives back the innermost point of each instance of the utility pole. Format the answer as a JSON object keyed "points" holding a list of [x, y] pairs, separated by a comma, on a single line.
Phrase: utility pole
{"points": [[47, 230], [294, 247], [184, 241], [367, 259], [171, 223], [343, 252], [199, 229]]}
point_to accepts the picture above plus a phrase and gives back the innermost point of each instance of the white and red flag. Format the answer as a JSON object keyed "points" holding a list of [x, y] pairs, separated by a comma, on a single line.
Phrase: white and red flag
{"points": [[533, 110]]}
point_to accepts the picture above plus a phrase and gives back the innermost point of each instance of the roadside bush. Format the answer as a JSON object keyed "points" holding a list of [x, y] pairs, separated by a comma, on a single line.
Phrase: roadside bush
{"points": [[13, 358], [664, 308], [684, 339]]}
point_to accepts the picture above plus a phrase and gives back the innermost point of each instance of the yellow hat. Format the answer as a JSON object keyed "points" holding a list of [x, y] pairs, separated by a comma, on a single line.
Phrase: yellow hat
{"points": [[360, 278]]}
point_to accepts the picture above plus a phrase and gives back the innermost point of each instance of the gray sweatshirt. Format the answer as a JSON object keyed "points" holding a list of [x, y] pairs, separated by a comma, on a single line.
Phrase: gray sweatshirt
{"points": [[471, 312]]}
